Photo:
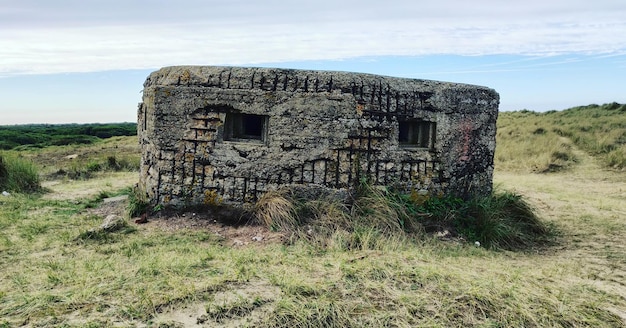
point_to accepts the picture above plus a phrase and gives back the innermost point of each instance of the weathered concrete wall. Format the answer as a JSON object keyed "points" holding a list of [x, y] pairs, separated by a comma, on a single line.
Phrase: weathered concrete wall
{"points": [[227, 134]]}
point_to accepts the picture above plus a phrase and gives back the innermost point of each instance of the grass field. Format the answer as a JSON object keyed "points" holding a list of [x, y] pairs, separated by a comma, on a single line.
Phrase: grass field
{"points": [[191, 270]]}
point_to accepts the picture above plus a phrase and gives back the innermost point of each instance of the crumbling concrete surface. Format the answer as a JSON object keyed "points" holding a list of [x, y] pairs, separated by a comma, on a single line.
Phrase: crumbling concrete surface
{"points": [[212, 135]]}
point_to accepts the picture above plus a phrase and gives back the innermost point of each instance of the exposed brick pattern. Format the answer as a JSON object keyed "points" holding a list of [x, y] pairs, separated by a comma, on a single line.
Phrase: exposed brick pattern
{"points": [[305, 127]]}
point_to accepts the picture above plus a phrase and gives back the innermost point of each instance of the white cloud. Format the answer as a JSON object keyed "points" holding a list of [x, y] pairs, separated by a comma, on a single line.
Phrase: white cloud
{"points": [[78, 36]]}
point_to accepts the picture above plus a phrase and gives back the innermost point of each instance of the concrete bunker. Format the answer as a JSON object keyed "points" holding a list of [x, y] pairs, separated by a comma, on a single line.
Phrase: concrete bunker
{"points": [[214, 135]]}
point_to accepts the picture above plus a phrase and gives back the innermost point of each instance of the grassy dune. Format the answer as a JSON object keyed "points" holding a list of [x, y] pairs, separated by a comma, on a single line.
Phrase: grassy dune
{"points": [[177, 272], [546, 142]]}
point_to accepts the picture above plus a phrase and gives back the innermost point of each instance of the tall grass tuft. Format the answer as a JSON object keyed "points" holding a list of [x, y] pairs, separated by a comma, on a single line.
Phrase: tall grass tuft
{"points": [[137, 202], [505, 220], [275, 210], [18, 175], [371, 219], [387, 210], [502, 220]]}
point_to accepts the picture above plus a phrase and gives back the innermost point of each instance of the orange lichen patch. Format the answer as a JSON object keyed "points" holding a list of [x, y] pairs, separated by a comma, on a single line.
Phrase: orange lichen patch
{"points": [[212, 198]]}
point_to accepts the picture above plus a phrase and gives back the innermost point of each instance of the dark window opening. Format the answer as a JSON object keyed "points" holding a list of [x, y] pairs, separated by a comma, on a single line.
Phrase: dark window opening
{"points": [[245, 127], [419, 134]]}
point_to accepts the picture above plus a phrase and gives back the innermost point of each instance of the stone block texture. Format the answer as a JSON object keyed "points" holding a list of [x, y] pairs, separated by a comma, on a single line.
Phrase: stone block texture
{"points": [[212, 135]]}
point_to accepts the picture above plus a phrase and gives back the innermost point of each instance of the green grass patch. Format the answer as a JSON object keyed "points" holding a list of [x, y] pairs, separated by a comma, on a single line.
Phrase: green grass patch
{"points": [[18, 174]]}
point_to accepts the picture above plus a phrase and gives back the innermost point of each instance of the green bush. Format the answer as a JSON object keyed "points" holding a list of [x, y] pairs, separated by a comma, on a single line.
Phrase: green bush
{"points": [[18, 175]]}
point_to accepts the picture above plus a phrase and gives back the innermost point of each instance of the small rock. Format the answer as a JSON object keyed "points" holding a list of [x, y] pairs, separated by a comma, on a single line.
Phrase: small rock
{"points": [[71, 156], [238, 242], [5, 193], [443, 234], [112, 222], [257, 238], [115, 199], [477, 243]]}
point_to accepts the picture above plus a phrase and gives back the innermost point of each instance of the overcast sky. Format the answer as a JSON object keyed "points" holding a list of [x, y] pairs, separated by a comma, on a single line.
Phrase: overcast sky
{"points": [[521, 48]]}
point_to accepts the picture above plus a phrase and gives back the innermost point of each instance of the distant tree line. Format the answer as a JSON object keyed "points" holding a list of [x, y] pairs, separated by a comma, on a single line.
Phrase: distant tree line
{"points": [[43, 135]]}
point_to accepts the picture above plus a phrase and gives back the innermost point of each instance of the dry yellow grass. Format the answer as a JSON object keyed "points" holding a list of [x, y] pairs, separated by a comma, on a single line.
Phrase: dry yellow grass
{"points": [[275, 210]]}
